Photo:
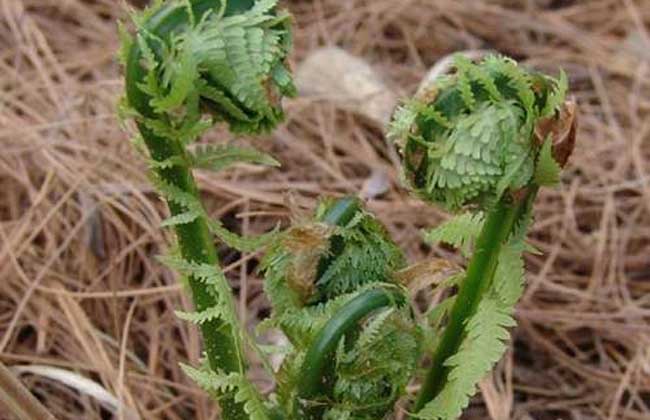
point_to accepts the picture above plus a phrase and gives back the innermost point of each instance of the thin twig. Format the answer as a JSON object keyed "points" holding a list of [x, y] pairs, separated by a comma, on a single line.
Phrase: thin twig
{"points": [[18, 399]]}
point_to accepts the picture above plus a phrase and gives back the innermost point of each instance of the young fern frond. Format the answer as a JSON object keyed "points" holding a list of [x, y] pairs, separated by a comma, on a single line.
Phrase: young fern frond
{"points": [[324, 384], [491, 147], [505, 133], [479, 142], [326, 281], [320, 261], [191, 64]]}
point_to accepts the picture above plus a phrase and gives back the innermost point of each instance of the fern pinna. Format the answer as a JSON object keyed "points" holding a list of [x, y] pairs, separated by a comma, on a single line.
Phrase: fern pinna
{"points": [[481, 142], [191, 64]]}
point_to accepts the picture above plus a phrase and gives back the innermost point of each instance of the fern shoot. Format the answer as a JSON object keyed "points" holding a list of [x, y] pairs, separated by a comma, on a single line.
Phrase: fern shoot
{"points": [[190, 65], [481, 141], [332, 285]]}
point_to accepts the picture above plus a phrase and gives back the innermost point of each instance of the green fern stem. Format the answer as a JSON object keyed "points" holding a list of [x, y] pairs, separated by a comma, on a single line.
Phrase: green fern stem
{"points": [[196, 245], [342, 211], [499, 224], [320, 355], [194, 238]]}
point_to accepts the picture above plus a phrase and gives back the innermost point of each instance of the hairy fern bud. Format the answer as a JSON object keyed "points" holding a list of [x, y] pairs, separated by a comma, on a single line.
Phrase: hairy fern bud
{"points": [[484, 138], [343, 249], [332, 285], [226, 58], [471, 137], [360, 252]]}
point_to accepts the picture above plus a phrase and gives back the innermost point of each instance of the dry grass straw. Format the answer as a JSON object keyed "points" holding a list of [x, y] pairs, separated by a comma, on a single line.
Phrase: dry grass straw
{"points": [[80, 289]]}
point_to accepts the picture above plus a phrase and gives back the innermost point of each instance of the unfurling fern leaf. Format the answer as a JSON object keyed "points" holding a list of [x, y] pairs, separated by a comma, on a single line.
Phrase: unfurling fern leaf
{"points": [[174, 73], [227, 64], [321, 260], [206, 56], [321, 275], [192, 64], [486, 146], [482, 140]]}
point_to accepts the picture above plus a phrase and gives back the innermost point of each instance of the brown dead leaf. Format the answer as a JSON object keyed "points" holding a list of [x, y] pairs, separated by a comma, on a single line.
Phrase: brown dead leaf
{"points": [[562, 129]]}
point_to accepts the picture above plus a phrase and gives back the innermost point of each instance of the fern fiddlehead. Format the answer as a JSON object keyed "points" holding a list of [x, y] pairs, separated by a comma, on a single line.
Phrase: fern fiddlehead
{"points": [[483, 139], [194, 63], [334, 295]]}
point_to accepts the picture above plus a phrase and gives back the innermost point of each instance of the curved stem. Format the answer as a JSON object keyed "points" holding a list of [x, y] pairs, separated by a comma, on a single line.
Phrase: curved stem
{"points": [[196, 245], [321, 353], [194, 239], [498, 226]]}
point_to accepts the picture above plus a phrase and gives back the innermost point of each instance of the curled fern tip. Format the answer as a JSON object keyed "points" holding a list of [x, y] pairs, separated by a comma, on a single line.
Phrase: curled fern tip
{"points": [[475, 135]]}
